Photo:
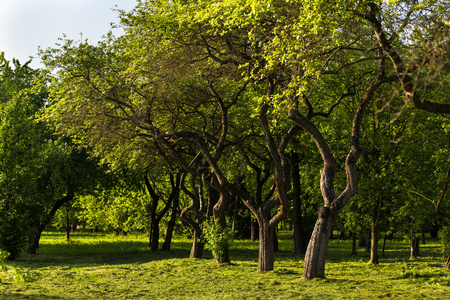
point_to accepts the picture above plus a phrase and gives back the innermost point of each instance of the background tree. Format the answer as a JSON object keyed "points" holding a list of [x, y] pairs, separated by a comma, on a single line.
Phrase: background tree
{"points": [[37, 168]]}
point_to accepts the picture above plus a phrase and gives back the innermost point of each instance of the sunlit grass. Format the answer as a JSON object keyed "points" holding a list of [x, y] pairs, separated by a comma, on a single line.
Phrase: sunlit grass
{"points": [[115, 267]]}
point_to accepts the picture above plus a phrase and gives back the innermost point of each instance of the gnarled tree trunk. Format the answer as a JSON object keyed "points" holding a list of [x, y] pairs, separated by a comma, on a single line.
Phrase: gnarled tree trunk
{"points": [[219, 215], [40, 227], [197, 243], [314, 266]]}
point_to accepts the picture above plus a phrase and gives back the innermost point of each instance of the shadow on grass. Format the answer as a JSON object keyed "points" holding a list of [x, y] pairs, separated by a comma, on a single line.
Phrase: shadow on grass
{"points": [[106, 249], [102, 252], [17, 296]]}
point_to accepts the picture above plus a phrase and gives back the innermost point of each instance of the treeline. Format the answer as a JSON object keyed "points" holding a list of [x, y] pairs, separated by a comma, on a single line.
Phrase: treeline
{"points": [[323, 115]]}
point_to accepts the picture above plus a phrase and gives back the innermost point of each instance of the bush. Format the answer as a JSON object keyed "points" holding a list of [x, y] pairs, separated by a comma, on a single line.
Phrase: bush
{"points": [[217, 238], [14, 233]]}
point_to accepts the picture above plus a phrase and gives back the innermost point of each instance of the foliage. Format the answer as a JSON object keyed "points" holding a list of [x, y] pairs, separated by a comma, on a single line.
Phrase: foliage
{"points": [[445, 237], [24, 153], [15, 231], [37, 168], [218, 239]]}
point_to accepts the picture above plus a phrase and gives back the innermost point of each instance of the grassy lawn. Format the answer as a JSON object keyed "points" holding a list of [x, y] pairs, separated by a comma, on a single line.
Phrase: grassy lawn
{"points": [[115, 267]]}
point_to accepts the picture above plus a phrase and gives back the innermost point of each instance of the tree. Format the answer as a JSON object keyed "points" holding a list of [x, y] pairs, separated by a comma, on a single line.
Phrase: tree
{"points": [[183, 73], [23, 147]]}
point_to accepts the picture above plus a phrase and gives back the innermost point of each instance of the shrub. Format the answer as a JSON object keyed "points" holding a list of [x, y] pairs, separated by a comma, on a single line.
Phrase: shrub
{"points": [[217, 238], [14, 233]]}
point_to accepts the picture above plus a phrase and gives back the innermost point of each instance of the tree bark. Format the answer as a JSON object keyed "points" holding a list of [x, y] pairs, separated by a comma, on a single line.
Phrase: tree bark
{"points": [[374, 242], [314, 266], [266, 257], [415, 244], [197, 244], [154, 235], [374, 230], [173, 218]]}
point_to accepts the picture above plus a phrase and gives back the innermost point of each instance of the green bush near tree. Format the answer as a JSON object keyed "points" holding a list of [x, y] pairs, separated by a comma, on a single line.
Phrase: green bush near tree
{"points": [[218, 239]]}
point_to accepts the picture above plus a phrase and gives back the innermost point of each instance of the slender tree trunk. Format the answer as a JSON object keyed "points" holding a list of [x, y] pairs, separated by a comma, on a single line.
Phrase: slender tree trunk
{"points": [[171, 225], [68, 226], [362, 242], [415, 242], [384, 245], [374, 242], [447, 264], [266, 247], [169, 233], [297, 218], [154, 239], [235, 214], [374, 230], [423, 237], [314, 266], [418, 246], [74, 225], [32, 248], [254, 228], [353, 244]]}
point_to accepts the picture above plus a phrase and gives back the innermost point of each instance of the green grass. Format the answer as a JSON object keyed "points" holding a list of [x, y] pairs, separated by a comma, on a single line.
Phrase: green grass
{"points": [[115, 267]]}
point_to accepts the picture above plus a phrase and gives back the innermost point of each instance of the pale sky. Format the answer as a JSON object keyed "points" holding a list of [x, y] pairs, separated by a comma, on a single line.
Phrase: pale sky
{"points": [[27, 24]]}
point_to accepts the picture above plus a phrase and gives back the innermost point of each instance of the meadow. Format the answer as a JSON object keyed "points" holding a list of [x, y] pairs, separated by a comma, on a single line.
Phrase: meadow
{"points": [[106, 266]]}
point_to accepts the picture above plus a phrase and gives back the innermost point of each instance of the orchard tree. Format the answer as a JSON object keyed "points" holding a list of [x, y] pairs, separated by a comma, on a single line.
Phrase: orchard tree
{"points": [[184, 73], [32, 160]]}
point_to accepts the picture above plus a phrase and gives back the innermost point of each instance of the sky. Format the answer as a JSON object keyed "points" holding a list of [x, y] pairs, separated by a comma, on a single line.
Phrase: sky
{"points": [[26, 25]]}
